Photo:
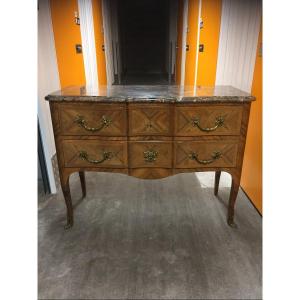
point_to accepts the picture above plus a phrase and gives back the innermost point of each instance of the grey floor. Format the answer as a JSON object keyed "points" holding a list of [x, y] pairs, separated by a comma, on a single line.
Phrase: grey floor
{"points": [[149, 239]]}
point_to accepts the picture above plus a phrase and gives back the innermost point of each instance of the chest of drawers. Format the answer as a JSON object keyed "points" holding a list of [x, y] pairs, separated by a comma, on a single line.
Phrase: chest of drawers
{"points": [[150, 132]]}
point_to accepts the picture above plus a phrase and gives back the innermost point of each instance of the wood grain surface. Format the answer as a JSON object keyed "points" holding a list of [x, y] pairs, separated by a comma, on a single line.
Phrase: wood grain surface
{"points": [[135, 130]]}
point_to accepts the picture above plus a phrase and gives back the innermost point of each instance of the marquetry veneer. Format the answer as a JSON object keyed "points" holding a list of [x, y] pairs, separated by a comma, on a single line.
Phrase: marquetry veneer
{"points": [[151, 137]]}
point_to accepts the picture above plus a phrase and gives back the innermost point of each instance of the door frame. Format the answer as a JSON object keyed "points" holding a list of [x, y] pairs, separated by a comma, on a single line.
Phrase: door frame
{"points": [[106, 16], [42, 163], [88, 42], [184, 37]]}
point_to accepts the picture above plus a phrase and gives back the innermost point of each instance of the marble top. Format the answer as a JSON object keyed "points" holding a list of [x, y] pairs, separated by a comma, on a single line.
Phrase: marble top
{"points": [[152, 93]]}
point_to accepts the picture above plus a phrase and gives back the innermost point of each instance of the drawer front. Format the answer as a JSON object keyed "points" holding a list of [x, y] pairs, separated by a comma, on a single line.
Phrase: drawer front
{"points": [[92, 153], [150, 173], [94, 119], [205, 154], [150, 154], [149, 119], [208, 120]]}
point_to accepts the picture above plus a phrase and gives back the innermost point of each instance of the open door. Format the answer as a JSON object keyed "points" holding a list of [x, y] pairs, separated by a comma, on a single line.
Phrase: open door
{"points": [[108, 40], [181, 41], [140, 39], [192, 41], [99, 41], [173, 18], [189, 18]]}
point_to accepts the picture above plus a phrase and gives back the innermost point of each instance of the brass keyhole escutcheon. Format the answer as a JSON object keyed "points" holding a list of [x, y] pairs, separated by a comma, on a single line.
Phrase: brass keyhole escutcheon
{"points": [[149, 126], [150, 155]]}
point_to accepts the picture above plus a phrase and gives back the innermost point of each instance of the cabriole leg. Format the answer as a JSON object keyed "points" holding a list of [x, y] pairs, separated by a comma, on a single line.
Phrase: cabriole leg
{"points": [[68, 200], [217, 181], [82, 181], [235, 184]]}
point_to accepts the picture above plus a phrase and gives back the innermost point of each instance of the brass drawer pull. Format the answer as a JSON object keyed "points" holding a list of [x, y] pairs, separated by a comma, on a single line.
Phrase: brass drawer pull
{"points": [[215, 155], [150, 155], [218, 123], [106, 156], [105, 122]]}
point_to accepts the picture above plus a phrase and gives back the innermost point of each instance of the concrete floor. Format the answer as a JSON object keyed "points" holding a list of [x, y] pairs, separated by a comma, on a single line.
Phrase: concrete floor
{"points": [[149, 239]]}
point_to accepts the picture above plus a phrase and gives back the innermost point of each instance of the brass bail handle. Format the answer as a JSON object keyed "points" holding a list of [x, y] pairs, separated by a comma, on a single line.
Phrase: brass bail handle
{"points": [[214, 156], [104, 122], [106, 156], [219, 122]]}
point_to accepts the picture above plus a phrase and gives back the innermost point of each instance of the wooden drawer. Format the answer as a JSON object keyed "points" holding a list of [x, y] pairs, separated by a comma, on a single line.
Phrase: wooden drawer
{"points": [[205, 154], [150, 119], [150, 173], [93, 119], [193, 120], [93, 153], [150, 154]]}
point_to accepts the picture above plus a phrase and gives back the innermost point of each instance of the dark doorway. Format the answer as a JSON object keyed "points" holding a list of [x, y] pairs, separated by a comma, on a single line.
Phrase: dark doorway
{"points": [[144, 42]]}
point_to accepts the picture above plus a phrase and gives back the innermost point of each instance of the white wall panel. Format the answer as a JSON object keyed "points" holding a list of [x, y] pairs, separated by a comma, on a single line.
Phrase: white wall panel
{"points": [[108, 41], [173, 16], [114, 33], [48, 81], [88, 42], [239, 32], [183, 43], [197, 43]]}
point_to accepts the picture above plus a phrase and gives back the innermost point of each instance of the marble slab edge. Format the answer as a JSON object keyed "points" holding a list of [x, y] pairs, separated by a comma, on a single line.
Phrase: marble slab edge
{"points": [[105, 99]]}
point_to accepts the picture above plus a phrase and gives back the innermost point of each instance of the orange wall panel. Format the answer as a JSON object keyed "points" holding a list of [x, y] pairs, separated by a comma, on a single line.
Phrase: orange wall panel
{"points": [[211, 11], [66, 36], [251, 180], [190, 62], [99, 41]]}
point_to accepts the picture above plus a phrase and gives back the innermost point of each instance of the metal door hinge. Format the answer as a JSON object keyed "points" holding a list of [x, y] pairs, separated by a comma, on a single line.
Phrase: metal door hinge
{"points": [[78, 48], [77, 20]]}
